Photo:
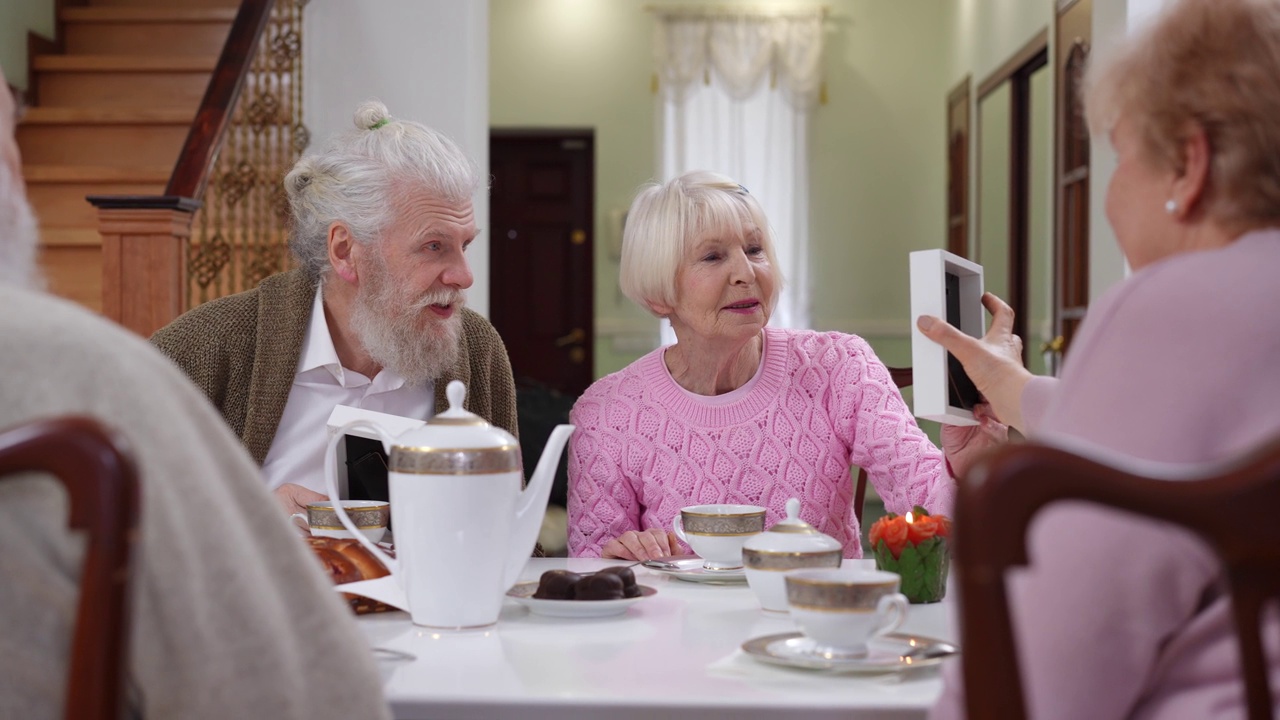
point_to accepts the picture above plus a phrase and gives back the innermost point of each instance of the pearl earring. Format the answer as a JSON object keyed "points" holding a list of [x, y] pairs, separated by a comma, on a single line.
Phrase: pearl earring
{"points": [[1171, 206]]}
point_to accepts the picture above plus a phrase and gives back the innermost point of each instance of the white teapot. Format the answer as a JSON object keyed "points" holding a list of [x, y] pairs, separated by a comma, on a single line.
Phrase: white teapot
{"points": [[463, 526]]}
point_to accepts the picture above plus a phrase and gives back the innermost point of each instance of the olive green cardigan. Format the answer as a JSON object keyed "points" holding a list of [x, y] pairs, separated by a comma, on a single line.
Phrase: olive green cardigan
{"points": [[243, 352]]}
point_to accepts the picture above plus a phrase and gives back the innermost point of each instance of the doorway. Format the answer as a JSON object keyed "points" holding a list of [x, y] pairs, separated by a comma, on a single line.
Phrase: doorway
{"points": [[1015, 221], [540, 267], [542, 291]]}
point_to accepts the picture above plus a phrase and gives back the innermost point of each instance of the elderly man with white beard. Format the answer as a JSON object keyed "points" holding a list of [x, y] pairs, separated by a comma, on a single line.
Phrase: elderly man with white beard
{"points": [[372, 318], [230, 617]]}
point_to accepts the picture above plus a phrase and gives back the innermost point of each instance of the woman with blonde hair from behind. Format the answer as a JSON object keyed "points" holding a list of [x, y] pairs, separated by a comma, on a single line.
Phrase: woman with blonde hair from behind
{"points": [[1118, 616]]}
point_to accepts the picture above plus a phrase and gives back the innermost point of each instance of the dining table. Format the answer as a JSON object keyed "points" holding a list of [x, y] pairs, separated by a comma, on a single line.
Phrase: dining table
{"points": [[676, 653]]}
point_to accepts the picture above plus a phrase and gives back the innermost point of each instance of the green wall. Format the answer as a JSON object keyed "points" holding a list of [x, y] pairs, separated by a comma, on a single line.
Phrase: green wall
{"points": [[878, 174], [877, 146], [990, 244], [16, 18], [982, 34], [1040, 252]]}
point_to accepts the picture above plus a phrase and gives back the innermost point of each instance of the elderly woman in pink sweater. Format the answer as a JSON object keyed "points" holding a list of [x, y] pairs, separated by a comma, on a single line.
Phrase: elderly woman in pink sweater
{"points": [[737, 412], [1118, 616]]}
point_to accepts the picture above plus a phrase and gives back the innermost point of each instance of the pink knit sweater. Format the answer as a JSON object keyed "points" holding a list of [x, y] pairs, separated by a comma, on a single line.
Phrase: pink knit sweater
{"points": [[819, 402]]}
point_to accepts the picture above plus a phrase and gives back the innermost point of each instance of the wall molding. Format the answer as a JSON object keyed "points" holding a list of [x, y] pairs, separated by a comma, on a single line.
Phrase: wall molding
{"points": [[626, 326], [628, 335]]}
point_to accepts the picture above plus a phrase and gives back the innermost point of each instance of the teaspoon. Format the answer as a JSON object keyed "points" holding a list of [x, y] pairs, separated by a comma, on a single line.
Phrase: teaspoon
{"points": [[929, 652]]}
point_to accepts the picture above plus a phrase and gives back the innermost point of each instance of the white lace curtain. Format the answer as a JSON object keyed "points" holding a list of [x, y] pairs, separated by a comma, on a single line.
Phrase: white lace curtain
{"points": [[736, 92]]}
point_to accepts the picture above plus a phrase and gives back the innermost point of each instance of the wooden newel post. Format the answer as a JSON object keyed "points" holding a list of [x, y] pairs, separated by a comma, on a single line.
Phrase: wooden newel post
{"points": [[144, 258]]}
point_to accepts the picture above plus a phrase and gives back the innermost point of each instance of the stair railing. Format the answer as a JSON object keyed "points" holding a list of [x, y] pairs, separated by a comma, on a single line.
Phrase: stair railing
{"points": [[219, 226]]}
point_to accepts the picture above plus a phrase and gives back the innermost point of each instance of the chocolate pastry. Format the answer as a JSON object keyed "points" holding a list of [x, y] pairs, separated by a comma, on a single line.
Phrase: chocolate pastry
{"points": [[629, 587], [557, 585], [624, 572], [599, 586]]}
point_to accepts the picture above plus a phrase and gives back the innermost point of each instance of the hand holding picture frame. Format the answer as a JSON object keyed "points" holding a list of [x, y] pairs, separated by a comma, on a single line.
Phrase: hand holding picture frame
{"points": [[948, 286]]}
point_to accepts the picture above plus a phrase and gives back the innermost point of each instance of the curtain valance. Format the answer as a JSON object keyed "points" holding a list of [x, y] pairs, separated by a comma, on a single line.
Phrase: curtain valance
{"points": [[743, 49]]}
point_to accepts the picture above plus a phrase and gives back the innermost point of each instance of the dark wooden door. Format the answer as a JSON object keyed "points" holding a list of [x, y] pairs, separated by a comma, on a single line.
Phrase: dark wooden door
{"points": [[540, 266]]}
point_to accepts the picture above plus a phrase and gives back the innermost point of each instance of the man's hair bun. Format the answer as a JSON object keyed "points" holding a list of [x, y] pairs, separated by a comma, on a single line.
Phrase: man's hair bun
{"points": [[371, 115]]}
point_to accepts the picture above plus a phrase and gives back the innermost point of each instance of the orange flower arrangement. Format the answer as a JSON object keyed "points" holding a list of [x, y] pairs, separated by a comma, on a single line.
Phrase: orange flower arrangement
{"points": [[915, 546]]}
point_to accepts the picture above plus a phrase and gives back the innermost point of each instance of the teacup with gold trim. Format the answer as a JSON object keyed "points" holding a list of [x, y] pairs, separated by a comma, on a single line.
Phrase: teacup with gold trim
{"points": [[716, 532], [843, 609], [370, 517]]}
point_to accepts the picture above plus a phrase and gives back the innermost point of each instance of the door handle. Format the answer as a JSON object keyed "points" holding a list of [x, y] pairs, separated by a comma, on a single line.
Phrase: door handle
{"points": [[1054, 345], [574, 338]]}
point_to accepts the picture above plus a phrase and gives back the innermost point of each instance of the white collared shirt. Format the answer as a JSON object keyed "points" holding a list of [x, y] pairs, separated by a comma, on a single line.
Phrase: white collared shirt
{"points": [[321, 383]]}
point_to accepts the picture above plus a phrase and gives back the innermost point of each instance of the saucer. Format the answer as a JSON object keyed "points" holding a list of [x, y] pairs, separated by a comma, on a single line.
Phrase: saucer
{"points": [[523, 593], [689, 568], [894, 652]]}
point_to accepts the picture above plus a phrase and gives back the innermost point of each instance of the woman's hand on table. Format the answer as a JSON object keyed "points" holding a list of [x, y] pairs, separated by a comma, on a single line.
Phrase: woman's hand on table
{"points": [[642, 545], [993, 363], [963, 444]]}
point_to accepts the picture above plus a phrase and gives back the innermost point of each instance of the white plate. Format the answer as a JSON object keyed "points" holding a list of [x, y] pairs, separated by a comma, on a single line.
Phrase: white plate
{"points": [[523, 594], [894, 652], [689, 568]]}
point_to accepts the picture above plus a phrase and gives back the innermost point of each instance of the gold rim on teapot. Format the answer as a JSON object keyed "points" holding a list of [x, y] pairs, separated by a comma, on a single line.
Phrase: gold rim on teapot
{"points": [[454, 461]]}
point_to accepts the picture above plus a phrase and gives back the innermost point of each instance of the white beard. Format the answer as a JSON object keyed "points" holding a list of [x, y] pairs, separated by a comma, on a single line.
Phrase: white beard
{"points": [[392, 330], [19, 235]]}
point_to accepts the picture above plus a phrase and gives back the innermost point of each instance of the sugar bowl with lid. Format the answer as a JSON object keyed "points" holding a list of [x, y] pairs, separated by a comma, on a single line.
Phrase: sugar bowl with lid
{"points": [[791, 544]]}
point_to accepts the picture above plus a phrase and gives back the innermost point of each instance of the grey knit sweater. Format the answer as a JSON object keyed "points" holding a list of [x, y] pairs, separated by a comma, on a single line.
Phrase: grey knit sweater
{"points": [[243, 351], [231, 616]]}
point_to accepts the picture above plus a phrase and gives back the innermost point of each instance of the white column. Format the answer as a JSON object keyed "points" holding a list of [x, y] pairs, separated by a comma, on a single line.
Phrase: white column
{"points": [[428, 61]]}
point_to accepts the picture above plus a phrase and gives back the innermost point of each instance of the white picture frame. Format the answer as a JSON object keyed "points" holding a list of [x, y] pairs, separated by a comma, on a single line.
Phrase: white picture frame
{"points": [[937, 395]]}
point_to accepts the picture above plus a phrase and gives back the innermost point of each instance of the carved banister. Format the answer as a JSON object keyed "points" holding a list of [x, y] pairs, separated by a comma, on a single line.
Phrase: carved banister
{"points": [[160, 251], [214, 116]]}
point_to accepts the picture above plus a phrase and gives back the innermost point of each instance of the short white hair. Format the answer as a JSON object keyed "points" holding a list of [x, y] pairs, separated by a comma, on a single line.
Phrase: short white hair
{"points": [[355, 178], [665, 219]]}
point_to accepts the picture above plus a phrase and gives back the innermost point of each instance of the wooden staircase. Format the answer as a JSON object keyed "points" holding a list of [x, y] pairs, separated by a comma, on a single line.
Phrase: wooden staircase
{"points": [[110, 116]]}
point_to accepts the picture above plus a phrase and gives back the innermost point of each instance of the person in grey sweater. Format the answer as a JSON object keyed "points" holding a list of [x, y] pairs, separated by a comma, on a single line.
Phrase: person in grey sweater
{"points": [[231, 616]]}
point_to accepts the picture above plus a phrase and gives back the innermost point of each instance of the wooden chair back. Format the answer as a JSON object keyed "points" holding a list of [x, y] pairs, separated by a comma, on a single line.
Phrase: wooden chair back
{"points": [[901, 378], [1231, 508], [102, 487]]}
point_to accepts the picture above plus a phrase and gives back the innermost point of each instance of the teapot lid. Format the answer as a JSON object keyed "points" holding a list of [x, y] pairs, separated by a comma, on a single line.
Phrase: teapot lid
{"points": [[793, 536], [456, 414], [455, 442]]}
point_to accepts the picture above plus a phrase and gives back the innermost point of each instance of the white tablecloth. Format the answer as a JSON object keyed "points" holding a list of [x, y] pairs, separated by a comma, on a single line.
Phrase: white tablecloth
{"points": [[674, 655]]}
